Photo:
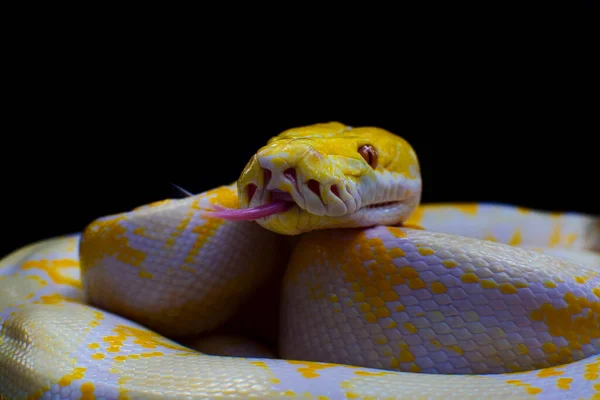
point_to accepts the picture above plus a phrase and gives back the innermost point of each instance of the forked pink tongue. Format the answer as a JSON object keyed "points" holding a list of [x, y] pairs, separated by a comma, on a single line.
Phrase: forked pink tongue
{"points": [[252, 213]]}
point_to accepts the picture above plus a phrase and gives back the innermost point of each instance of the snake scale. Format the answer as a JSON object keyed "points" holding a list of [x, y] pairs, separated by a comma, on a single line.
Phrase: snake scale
{"points": [[316, 275]]}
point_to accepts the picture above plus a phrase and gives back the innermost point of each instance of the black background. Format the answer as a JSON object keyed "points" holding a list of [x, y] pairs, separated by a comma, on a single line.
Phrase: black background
{"points": [[494, 121]]}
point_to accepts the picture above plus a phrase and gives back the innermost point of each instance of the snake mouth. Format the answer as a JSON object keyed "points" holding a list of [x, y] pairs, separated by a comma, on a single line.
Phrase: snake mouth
{"points": [[278, 202], [384, 204]]}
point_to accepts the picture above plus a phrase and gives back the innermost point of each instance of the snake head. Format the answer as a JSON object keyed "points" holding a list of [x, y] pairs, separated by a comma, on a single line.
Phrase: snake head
{"points": [[330, 176]]}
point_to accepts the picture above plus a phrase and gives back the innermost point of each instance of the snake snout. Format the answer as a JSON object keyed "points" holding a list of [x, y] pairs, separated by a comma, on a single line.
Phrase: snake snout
{"points": [[312, 181], [323, 196]]}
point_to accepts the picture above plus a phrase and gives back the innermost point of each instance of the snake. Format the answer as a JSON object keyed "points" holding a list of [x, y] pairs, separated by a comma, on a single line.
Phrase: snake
{"points": [[317, 274]]}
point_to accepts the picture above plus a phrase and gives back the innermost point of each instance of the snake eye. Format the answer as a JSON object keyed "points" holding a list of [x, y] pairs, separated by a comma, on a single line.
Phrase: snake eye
{"points": [[369, 153]]}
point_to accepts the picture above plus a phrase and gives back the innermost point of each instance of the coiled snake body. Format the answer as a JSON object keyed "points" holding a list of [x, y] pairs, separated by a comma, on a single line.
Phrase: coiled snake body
{"points": [[316, 275]]}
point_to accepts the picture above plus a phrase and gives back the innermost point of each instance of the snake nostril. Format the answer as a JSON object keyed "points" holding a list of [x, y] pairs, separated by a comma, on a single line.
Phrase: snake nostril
{"points": [[250, 190], [266, 177], [335, 190], [315, 187]]}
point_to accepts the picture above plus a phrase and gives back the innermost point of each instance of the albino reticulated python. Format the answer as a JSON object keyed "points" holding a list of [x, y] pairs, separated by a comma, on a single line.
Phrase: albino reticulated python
{"points": [[191, 299]]}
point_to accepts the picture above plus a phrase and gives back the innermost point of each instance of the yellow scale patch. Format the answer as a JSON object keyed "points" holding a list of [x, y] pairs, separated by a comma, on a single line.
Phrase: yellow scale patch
{"points": [[143, 338], [78, 373], [137, 356], [452, 347], [55, 298], [182, 225], [310, 369], [556, 237], [416, 218], [592, 370], [87, 391], [529, 388], [584, 278], [307, 369], [112, 242], [53, 268], [224, 196], [516, 238], [578, 323], [98, 318]]}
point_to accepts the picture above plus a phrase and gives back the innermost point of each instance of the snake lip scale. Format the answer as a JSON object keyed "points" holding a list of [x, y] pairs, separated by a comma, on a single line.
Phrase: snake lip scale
{"points": [[375, 297], [281, 196], [264, 202]]}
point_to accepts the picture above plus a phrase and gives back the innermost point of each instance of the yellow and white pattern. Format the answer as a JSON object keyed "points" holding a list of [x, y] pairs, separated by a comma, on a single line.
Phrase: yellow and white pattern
{"points": [[460, 301]]}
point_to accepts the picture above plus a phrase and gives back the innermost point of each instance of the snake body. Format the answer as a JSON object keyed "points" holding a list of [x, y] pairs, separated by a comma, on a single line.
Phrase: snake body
{"points": [[351, 290]]}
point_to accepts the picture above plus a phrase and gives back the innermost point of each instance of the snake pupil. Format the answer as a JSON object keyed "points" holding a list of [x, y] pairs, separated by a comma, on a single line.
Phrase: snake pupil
{"points": [[369, 153]]}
